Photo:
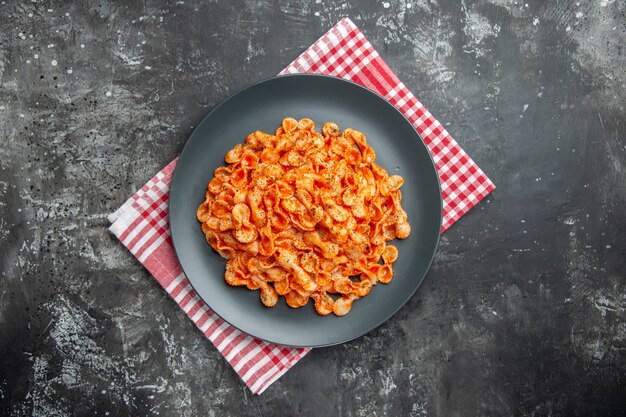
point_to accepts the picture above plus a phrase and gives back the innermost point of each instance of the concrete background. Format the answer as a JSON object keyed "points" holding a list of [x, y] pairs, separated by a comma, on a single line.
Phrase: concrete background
{"points": [[523, 312]]}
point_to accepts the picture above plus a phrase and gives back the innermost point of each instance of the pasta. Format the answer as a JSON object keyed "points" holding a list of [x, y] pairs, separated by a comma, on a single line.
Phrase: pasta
{"points": [[305, 215]]}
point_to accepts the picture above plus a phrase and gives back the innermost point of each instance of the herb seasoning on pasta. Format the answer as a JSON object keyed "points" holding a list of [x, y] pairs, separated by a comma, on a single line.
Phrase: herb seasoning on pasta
{"points": [[305, 215]]}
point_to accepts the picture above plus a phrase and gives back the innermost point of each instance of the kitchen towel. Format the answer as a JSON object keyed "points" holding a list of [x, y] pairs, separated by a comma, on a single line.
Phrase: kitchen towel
{"points": [[141, 224]]}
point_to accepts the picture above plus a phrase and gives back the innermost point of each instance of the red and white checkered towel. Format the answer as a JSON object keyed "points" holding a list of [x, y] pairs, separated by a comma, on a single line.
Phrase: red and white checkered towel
{"points": [[142, 222]]}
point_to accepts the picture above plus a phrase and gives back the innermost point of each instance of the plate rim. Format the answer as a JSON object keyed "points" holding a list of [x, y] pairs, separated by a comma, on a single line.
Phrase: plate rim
{"points": [[385, 102]]}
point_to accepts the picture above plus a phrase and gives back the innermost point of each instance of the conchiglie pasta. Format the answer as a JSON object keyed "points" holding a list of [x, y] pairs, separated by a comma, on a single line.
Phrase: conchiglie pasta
{"points": [[305, 215]]}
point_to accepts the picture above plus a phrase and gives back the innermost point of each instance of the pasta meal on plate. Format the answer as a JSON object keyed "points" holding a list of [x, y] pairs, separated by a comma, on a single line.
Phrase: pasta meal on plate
{"points": [[305, 215]]}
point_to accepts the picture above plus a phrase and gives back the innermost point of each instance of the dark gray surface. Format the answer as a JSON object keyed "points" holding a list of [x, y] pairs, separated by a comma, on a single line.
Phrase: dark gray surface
{"points": [[321, 98], [523, 311]]}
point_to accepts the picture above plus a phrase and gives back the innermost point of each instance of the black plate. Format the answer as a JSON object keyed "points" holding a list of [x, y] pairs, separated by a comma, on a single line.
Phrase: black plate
{"points": [[262, 106]]}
